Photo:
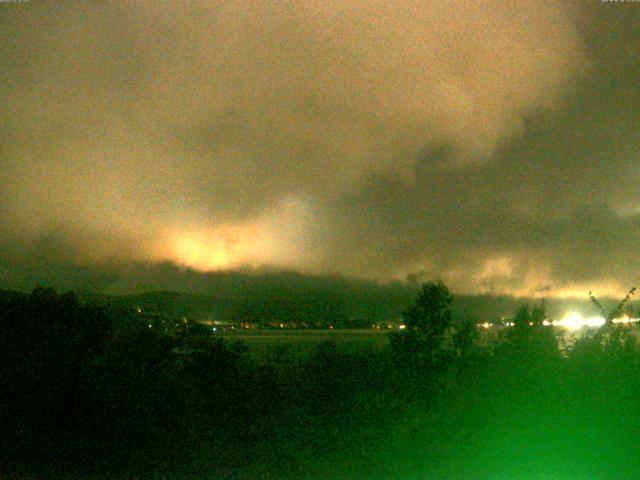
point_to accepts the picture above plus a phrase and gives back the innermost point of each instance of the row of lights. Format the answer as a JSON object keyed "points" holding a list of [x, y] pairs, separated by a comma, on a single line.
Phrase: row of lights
{"points": [[574, 321]]}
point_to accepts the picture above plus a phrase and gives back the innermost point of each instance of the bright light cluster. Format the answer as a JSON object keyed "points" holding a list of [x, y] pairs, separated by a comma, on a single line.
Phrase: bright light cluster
{"points": [[574, 321], [626, 319]]}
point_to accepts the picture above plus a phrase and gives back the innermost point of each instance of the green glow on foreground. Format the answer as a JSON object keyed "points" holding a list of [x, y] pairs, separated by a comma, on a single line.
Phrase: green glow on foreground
{"points": [[519, 419]]}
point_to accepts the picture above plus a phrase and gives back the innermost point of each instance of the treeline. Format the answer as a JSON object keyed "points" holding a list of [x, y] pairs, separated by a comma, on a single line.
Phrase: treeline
{"points": [[87, 391]]}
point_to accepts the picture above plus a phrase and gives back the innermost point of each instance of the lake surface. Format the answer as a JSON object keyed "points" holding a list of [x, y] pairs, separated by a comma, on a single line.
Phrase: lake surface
{"points": [[300, 342]]}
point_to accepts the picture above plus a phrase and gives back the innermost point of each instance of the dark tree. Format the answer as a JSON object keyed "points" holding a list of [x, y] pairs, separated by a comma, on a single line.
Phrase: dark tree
{"points": [[522, 317], [538, 313], [464, 339], [423, 342], [49, 344], [530, 339]]}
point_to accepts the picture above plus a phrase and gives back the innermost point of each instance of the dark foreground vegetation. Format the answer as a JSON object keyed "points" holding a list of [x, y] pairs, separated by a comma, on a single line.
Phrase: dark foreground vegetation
{"points": [[93, 392]]}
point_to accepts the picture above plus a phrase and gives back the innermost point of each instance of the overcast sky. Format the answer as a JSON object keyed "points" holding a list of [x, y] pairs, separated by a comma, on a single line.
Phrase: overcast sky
{"points": [[491, 144]]}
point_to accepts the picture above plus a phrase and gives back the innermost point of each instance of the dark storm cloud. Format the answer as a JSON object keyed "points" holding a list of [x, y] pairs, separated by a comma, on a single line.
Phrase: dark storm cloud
{"points": [[554, 212], [490, 143]]}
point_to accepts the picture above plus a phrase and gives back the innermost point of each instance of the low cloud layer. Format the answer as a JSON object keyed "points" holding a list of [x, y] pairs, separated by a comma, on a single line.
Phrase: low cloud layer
{"points": [[488, 143]]}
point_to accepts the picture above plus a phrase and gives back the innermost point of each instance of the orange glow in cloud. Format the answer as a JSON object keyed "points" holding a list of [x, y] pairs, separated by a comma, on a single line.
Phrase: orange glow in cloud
{"points": [[213, 248], [277, 238]]}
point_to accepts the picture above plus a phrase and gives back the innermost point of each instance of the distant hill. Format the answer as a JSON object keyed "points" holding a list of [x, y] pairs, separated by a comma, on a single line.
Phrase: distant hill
{"points": [[264, 296], [334, 306]]}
